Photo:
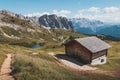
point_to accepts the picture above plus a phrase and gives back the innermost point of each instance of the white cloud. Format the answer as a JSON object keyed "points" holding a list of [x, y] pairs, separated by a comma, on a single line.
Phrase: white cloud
{"points": [[79, 15], [94, 9], [111, 9], [107, 14], [37, 14], [91, 9], [63, 13]]}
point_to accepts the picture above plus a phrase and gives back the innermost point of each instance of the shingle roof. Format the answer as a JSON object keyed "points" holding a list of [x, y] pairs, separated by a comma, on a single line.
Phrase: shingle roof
{"points": [[93, 44]]}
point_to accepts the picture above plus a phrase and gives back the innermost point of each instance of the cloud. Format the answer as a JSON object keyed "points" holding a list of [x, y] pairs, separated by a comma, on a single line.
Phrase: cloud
{"points": [[37, 14], [94, 9], [107, 14], [91, 9], [63, 13], [111, 9]]}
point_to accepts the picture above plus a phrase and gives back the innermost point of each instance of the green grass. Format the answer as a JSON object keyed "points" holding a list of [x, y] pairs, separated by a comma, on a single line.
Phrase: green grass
{"points": [[113, 58], [2, 57], [36, 64], [3, 52], [66, 33], [30, 68], [26, 67], [10, 31]]}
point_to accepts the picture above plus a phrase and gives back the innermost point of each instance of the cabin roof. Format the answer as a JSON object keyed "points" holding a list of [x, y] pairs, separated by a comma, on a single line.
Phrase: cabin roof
{"points": [[93, 44]]}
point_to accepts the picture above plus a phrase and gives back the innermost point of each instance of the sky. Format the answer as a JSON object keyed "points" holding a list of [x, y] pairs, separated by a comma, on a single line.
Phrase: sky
{"points": [[104, 10]]}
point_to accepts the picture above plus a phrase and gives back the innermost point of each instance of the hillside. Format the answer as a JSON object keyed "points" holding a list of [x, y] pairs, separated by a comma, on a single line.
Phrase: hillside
{"points": [[15, 29]]}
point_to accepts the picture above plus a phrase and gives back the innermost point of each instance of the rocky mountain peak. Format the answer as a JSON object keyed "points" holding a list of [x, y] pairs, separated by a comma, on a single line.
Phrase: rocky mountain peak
{"points": [[56, 22], [51, 21]]}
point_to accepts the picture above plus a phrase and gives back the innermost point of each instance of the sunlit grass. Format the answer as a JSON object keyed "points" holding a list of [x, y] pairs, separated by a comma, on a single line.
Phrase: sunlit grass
{"points": [[34, 68], [113, 58], [27, 67]]}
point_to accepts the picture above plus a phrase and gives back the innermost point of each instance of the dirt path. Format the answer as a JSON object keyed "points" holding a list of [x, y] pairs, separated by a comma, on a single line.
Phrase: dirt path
{"points": [[76, 65], [6, 69]]}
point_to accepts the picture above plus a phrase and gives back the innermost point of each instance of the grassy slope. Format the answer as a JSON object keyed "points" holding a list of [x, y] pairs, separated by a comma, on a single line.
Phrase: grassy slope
{"points": [[34, 68], [45, 67], [36, 64], [28, 38], [2, 57], [113, 62], [3, 50]]}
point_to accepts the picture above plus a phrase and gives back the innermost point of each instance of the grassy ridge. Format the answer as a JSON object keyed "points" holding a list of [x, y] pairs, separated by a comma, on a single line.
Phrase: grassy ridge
{"points": [[13, 20]]}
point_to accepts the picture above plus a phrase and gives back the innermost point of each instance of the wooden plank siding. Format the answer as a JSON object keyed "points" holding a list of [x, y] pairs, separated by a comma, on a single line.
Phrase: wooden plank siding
{"points": [[99, 54], [75, 49]]}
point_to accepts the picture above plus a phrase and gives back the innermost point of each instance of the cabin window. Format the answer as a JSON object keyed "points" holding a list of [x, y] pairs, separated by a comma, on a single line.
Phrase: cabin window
{"points": [[102, 60]]}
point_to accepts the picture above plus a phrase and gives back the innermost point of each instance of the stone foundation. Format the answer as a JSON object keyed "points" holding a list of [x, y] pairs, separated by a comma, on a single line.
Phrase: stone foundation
{"points": [[100, 60]]}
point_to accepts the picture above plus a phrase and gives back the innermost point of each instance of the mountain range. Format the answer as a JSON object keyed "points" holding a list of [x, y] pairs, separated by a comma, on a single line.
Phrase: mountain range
{"points": [[95, 27], [80, 25]]}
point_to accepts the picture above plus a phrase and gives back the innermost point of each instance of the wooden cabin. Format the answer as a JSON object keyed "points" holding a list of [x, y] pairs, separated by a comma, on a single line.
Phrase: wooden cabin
{"points": [[91, 50]]}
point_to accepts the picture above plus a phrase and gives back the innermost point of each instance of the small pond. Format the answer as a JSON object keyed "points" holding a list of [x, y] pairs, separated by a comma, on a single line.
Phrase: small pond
{"points": [[36, 46]]}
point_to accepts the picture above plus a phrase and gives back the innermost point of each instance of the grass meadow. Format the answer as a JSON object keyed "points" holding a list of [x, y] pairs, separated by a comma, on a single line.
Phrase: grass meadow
{"points": [[36, 64]]}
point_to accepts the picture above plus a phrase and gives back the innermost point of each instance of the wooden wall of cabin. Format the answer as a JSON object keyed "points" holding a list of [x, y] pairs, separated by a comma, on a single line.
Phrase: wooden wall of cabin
{"points": [[99, 54], [75, 49]]}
